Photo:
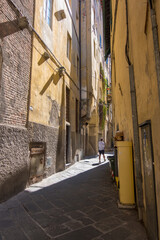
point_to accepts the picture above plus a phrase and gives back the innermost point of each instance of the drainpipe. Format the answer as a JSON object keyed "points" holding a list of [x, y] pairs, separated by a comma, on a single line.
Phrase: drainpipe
{"points": [[113, 60], [30, 75], [80, 80], [114, 26], [136, 144], [155, 43]]}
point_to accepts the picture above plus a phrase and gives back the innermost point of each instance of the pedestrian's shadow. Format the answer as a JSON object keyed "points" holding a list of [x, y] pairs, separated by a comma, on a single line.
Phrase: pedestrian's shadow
{"points": [[95, 164]]}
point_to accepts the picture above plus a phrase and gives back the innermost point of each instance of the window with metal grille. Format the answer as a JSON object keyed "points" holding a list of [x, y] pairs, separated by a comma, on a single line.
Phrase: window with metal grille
{"points": [[77, 116], [67, 104], [48, 12]]}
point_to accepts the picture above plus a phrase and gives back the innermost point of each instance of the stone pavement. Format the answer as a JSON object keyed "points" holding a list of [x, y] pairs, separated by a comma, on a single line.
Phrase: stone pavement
{"points": [[79, 203]]}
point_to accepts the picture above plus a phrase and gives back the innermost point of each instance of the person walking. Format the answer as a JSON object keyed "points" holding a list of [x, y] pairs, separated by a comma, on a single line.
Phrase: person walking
{"points": [[101, 146]]}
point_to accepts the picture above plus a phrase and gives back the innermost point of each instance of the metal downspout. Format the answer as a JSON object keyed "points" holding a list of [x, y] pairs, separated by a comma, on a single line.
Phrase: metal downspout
{"points": [[30, 76], [136, 143], [155, 43], [114, 26], [113, 60]]}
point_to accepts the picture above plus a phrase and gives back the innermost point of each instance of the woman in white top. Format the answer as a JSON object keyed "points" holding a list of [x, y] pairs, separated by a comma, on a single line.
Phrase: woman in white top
{"points": [[101, 146]]}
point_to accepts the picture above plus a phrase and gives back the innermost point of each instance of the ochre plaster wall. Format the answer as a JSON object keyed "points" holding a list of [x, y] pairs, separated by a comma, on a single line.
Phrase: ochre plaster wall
{"points": [[141, 53], [92, 56], [48, 87]]}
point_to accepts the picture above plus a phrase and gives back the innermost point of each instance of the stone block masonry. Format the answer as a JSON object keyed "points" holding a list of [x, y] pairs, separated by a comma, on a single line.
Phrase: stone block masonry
{"points": [[16, 62], [14, 160]]}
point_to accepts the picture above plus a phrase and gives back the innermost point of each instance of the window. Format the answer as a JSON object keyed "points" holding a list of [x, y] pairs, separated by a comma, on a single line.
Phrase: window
{"points": [[77, 67], [48, 12], [70, 3], [94, 49], [67, 104], [77, 116], [100, 41], [100, 13], [68, 46], [94, 17], [77, 20]]}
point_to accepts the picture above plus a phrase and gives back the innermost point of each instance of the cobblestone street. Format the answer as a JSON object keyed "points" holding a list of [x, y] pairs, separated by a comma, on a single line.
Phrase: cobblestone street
{"points": [[78, 203]]}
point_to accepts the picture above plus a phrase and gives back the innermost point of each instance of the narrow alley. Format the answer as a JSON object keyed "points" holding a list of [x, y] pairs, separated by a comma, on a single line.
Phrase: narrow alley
{"points": [[79, 78], [75, 204]]}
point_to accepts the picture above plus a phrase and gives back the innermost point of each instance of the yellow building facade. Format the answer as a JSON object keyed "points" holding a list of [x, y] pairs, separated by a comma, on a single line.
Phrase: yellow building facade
{"points": [[66, 86], [92, 88], [54, 97], [135, 91]]}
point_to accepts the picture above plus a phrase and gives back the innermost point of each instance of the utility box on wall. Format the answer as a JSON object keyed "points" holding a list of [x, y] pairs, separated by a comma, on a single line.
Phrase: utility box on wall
{"points": [[125, 172]]}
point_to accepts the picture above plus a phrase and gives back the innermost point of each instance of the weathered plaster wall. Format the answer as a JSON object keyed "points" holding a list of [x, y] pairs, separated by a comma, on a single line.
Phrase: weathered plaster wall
{"points": [[97, 60], [49, 135], [146, 81], [120, 77], [141, 53], [92, 56], [48, 88]]}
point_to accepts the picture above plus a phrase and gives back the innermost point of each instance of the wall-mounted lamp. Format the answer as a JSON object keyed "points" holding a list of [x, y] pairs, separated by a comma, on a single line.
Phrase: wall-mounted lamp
{"points": [[61, 71], [46, 55]]}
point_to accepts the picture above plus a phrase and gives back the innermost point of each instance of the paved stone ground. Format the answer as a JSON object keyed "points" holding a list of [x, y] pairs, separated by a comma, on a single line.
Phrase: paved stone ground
{"points": [[79, 203]]}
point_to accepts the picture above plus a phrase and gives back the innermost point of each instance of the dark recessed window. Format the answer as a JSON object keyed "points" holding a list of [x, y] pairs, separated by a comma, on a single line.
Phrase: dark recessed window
{"points": [[67, 104], [68, 46], [77, 116], [78, 67]]}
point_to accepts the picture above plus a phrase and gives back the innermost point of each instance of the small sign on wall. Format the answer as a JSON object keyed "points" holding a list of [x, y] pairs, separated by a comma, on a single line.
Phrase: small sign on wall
{"points": [[48, 162]]}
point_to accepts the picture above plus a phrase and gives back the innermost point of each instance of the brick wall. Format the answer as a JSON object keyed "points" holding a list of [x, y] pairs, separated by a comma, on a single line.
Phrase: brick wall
{"points": [[16, 62], [15, 66]]}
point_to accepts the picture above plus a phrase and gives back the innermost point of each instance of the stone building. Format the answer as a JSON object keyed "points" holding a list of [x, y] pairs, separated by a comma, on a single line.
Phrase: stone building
{"points": [[68, 51], [109, 136], [51, 63], [136, 97], [15, 62], [55, 90], [93, 110]]}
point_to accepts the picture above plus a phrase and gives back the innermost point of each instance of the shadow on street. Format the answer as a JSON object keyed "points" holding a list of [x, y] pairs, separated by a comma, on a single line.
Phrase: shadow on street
{"points": [[80, 207]]}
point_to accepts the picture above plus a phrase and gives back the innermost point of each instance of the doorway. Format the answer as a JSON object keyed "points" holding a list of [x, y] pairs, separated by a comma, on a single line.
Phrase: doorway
{"points": [[67, 144], [149, 181]]}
